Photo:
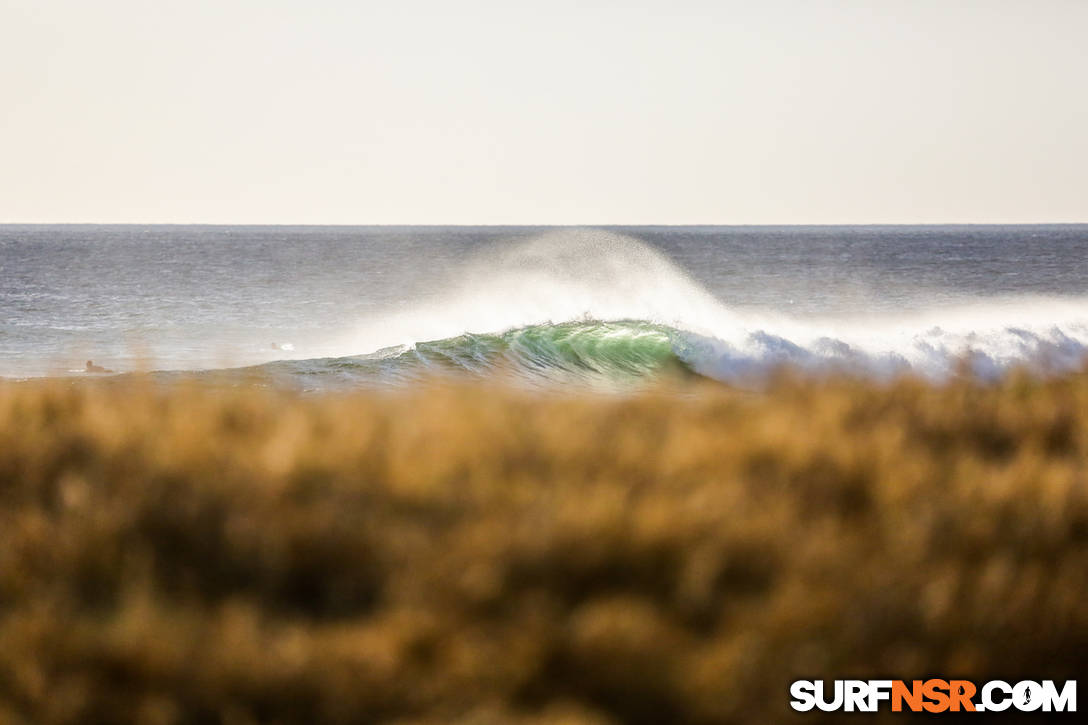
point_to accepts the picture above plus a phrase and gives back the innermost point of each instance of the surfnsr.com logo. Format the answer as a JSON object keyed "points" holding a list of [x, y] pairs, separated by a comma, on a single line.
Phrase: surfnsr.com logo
{"points": [[933, 696]]}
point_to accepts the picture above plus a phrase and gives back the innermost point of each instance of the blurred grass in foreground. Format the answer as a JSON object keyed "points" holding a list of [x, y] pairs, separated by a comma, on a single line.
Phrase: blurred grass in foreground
{"points": [[481, 555]]}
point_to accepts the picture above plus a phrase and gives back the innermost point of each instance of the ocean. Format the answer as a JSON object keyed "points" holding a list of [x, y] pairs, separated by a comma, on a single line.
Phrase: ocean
{"points": [[603, 307]]}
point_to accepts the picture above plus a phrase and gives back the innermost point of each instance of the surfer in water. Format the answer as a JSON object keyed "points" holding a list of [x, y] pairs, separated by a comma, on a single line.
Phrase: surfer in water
{"points": [[92, 368]]}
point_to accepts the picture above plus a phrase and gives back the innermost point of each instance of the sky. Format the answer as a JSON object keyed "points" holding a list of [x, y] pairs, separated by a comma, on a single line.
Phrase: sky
{"points": [[416, 112]]}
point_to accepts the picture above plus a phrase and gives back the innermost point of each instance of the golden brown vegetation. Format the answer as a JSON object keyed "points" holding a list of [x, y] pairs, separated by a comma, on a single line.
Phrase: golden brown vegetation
{"points": [[480, 555]]}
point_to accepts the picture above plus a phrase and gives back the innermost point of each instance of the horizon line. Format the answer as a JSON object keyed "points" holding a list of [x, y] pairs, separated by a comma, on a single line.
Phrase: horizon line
{"points": [[536, 225]]}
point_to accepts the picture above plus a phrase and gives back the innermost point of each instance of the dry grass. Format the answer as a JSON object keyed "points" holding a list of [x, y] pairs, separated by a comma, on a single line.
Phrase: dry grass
{"points": [[480, 555]]}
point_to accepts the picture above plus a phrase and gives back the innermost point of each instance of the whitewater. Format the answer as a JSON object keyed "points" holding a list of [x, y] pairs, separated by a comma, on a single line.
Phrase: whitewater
{"points": [[607, 308]]}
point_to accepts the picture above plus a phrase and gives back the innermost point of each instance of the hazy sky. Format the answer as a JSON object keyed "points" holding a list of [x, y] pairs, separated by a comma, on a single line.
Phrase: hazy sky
{"points": [[330, 111]]}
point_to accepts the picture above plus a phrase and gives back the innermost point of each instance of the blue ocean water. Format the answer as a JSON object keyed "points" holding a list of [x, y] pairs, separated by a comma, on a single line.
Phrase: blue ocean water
{"points": [[324, 306]]}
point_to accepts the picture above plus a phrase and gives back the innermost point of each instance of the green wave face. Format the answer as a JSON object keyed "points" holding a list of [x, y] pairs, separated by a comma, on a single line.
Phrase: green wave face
{"points": [[609, 351], [590, 353]]}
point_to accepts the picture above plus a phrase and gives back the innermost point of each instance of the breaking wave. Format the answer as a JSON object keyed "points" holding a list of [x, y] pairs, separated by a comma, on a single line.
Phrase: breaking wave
{"points": [[602, 308]]}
